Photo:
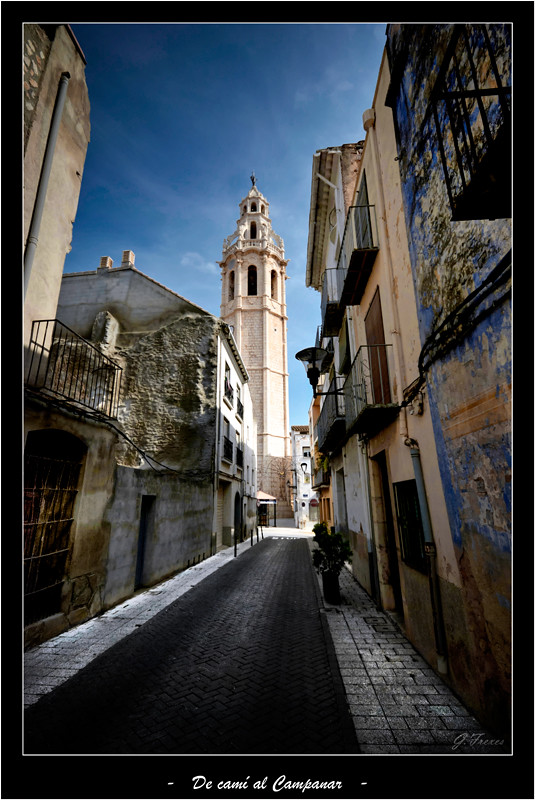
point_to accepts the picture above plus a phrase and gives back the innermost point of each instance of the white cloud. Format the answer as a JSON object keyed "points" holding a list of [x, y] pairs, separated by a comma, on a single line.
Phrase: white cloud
{"points": [[195, 263]]}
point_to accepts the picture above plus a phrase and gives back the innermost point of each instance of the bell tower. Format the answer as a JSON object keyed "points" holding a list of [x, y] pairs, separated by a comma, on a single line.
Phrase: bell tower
{"points": [[253, 304]]}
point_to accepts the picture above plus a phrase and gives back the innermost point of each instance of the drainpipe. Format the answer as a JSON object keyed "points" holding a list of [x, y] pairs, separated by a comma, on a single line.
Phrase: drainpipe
{"points": [[39, 206], [431, 552]]}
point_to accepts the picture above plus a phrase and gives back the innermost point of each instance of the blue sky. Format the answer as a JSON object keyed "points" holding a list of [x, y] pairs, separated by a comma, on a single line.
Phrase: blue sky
{"points": [[181, 114]]}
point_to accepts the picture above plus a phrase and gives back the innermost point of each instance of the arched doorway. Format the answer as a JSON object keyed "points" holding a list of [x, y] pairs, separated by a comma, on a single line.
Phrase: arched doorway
{"points": [[52, 463]]}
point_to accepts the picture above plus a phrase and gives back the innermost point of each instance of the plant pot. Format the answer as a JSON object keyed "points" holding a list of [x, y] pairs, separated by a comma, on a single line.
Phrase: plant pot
{"points": [[331, 587]]}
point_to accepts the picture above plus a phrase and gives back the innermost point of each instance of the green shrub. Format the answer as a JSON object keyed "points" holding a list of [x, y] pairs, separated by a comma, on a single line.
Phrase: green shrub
{"points": [[332, 551]]}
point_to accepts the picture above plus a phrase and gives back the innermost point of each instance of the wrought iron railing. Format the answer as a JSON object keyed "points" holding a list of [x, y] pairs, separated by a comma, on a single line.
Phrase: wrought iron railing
{"points": [[331, 291], [360, 233], [368, 382], [228, 449], [332, 415], [62, 363]]}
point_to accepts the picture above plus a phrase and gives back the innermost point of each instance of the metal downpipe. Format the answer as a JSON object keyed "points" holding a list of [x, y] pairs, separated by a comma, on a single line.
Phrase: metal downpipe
{"points": [[431, 552], [33, 234]]}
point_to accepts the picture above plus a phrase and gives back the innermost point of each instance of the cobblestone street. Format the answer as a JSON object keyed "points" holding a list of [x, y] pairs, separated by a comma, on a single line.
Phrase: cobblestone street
{"points": [[236, 661]]}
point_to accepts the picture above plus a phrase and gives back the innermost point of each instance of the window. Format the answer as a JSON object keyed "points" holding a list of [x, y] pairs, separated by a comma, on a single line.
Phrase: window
{"points": [[274, 284], [231, 280], [253, 206], [251, 281], [253, 230], [229, 391], [471, 106], [410, 528]]}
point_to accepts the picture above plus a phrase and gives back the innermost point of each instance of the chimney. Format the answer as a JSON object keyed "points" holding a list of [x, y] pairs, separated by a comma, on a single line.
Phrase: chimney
{"points": [[105, 263], [128, 258]]}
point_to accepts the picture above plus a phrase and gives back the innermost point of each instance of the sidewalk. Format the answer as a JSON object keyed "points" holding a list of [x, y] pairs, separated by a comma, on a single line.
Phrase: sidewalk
{"points": [[397, 703]]}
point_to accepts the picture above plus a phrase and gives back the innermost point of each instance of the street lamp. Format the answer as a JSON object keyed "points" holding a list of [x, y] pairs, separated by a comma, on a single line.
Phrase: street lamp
{"points": [[312, 358], [304, 466]]}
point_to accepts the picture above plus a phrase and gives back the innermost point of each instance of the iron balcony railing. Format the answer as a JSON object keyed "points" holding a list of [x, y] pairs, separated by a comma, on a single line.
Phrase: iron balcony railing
{"points": [[331, 421], [368, 393], [321, 477], [228, 449], [331, 292], [360, 245], [239, 457], [62, 363]]}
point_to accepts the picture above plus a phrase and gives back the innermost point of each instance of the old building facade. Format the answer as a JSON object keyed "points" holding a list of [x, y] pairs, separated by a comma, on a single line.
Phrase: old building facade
{"points": [[305, 500], [405, 449], [455, 164], [253, 304], [186, 470]]}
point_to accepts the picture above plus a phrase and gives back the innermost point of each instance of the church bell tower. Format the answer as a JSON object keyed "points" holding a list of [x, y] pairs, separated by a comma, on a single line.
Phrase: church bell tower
{"points": [[253, 304]]}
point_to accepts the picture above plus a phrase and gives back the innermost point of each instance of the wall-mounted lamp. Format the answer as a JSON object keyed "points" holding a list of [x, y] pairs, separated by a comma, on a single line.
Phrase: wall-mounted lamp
{"points": [[312, 357], [304, 468]]}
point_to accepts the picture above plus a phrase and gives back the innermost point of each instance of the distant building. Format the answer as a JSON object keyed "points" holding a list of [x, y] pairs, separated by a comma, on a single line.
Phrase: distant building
{"points": [[306, 503], [253, 304]]}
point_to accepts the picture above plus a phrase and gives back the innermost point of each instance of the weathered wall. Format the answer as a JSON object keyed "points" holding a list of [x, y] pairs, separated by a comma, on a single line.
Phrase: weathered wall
{"points": [[45, 60], [468, 382], [86, 566], [178, 536], [169, 395]]}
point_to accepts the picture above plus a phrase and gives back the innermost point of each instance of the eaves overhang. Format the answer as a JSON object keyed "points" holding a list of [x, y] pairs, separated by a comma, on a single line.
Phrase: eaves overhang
{"points": [[325, 164]]}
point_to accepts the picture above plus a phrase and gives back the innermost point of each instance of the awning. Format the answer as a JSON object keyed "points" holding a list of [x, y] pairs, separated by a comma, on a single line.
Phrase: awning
{"points": [[262, 497]]}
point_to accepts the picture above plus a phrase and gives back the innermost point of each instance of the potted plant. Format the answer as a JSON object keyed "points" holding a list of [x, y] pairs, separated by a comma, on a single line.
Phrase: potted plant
{"points": [[329, 558]]}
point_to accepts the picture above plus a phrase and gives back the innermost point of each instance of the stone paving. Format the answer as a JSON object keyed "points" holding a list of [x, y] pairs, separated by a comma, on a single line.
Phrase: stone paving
{"points": [[396, 702], [241, 664]]}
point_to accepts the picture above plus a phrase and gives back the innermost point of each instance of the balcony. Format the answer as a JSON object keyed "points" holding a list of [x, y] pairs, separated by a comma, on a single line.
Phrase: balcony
{"points": [[326, 343], [331, 312], [368, 391], [331, 423], [360, 246], [228, 450], [321, 478], [239, 457], [239, 408], [63, 364]]}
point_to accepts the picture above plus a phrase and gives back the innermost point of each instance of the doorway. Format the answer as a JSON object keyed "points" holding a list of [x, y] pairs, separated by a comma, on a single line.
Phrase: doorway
{"points": [[146, 524], [389, 537], [52, 463]]}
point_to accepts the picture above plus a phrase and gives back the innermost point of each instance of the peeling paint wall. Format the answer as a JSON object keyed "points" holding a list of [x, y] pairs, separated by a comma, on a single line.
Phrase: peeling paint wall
{"points": [[468, 377]]}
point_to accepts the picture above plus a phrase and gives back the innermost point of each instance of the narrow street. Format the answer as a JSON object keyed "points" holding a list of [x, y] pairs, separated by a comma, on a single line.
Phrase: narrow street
{"points": [[240, 664], [243, 656]]}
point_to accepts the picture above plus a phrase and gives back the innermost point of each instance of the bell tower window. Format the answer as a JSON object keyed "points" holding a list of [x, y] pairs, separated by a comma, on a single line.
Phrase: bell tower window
{"points": [[251, 281], [274, 284], [231, 285], [253, 230]]}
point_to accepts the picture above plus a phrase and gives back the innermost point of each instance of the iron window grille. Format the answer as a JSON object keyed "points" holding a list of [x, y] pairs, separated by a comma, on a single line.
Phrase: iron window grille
{"points": [[471, 105]]}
